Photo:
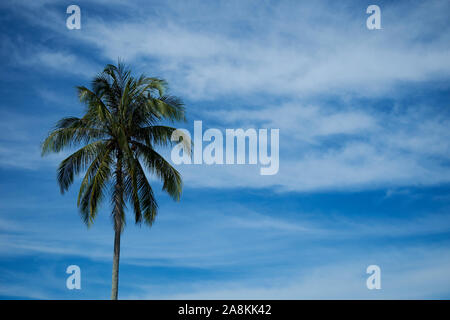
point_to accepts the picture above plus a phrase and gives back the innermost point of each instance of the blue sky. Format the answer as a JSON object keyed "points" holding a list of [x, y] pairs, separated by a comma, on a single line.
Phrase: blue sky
{"points": [[364, 149]]}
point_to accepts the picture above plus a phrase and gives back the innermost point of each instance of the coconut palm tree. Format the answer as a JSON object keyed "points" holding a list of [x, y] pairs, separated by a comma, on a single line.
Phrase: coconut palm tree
{"points": [[118, 134]]}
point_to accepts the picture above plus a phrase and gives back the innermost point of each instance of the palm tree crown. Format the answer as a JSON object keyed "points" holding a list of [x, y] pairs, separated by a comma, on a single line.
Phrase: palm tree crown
{"points": [[118, 135]]}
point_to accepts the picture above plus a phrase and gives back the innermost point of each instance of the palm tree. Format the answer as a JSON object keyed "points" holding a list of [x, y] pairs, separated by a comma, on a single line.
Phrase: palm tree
{"points": [[118, 133]]}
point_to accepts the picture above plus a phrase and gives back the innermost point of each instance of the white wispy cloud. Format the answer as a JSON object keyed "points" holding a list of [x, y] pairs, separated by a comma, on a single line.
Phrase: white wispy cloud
{"points": [[193, 237], [412, 273], [322, 147], [287, 48], [211, 53], [20, 147], [281, 55]]}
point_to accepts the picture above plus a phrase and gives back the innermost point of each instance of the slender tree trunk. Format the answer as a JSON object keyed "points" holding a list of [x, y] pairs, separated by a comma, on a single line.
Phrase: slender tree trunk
{"points": [[115, 269], [117, 216]]}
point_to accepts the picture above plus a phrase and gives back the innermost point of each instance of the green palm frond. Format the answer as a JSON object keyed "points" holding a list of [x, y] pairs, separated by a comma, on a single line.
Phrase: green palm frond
{"points": [[77, 162], [94, 184], [157, 165]]}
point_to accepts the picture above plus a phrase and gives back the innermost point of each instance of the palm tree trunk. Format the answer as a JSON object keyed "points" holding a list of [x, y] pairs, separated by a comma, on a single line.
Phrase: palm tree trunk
{"points": [[117, 216], [115, 269]]}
